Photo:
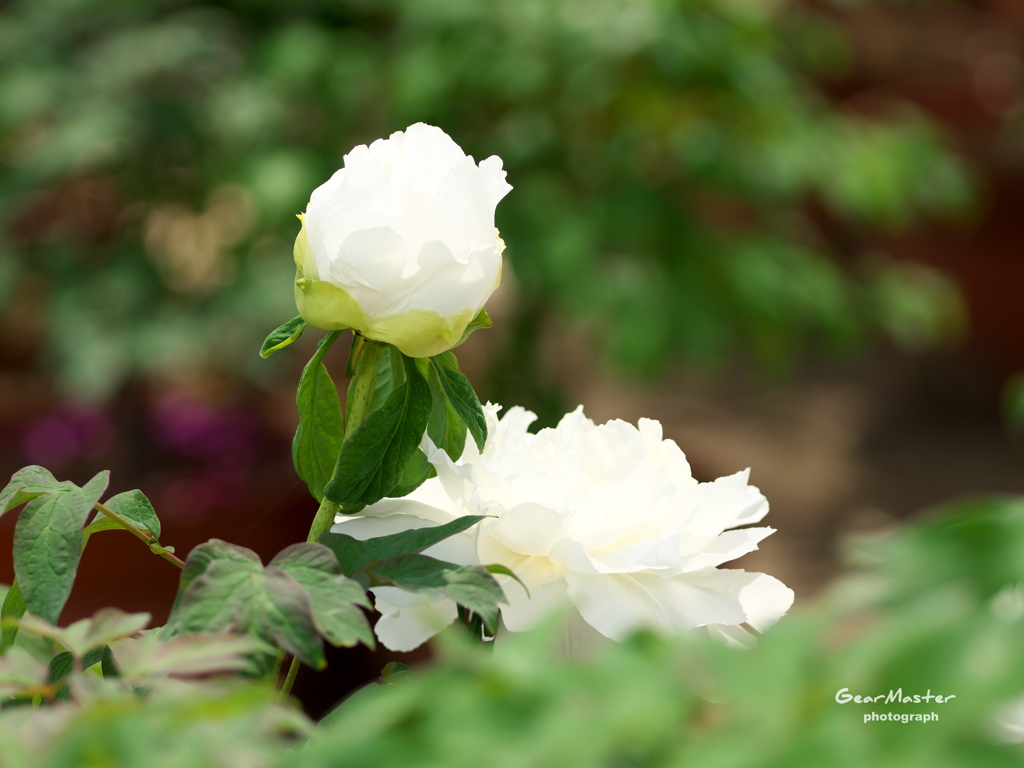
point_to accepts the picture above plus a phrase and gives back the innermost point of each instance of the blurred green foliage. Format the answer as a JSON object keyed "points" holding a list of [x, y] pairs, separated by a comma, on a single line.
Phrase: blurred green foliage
{"points": [[936, 607], [666, 155]]}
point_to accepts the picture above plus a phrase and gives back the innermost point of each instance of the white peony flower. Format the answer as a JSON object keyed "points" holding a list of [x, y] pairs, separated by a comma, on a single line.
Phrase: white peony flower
{"points": [[606, 518], [400, 243]]}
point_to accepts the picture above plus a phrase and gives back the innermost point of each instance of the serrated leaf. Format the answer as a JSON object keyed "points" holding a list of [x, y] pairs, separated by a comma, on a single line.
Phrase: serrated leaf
{"points": [[321, 427], [198, 560], [13, 608], [375, 455], [352, 554], [460, 393], [29, 483], [134, 507], [469, 585], [334, 598], [48, 547], [268, 603], [283, 336]]}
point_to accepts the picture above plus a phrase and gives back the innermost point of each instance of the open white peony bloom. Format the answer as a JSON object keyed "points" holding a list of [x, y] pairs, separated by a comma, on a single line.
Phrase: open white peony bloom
{"points": [[607, 518], [400, 243]]}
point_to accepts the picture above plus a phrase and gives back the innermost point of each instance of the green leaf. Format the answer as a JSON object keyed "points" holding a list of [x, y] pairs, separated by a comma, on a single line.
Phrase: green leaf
{"points": [[321, 427], [334, 598], [460, 393], [48, 546], [27, 484], [353, 554], [62, 664], [416, 472], [134, 507], [482, 320], [105, 626], [13, 608], [268, 603], [446, 428], [393, 670], [282, 336], [198, 560], [469, 585], [374, 457], [95, 488]]}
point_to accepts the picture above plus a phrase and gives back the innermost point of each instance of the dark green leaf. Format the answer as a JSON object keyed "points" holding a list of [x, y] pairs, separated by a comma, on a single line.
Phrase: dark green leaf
{"points": [[334, 598], [134, 507], [375, 455], [394, 669], [353, 554], [282, 336], [62, 663], [321, 426], [446, 428], [47, 548], [13, 608], [416, 472], [459, 392], [469, 585], [268, 603]]}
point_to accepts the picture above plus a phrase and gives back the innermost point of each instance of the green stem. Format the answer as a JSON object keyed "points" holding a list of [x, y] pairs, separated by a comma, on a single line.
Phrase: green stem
{"points": [[145, 536], [286, 686], [364, 361]]}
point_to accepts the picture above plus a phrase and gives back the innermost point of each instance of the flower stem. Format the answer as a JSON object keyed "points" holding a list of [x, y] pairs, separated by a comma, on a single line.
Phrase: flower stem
{"points": [[145, 536], [286, 686]]}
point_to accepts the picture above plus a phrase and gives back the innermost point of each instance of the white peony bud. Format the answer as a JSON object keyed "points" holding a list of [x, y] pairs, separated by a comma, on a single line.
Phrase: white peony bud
{"points": [[400, 243]]}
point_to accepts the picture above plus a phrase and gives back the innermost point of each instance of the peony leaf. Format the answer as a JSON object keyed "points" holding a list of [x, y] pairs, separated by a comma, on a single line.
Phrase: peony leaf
{"points": [[334, 598], [48, 545], [321, 427], [134, 507], [459, 392], [242, 596], [469, 585], [353, 554], [13, 608], [283, 336], [374, 457], [446, 428], [27, 484]]}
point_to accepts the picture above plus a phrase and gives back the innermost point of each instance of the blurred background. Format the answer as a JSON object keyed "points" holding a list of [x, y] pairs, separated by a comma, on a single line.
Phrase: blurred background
{"points": [[788, 230]]}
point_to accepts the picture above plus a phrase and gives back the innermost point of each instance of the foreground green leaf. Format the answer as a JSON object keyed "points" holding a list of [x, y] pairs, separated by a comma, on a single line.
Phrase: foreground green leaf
{"points": [[27, 484], [334, 598], [47, 549], [134, 507]]}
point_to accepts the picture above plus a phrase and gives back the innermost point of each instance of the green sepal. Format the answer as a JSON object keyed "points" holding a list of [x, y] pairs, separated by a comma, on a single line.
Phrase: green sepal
{"points": [[373, 458], [461, 395], [283, 336], [321, 428], [482, 320]]}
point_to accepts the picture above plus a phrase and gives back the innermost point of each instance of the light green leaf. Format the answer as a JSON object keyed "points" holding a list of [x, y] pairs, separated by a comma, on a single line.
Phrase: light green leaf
{"points": [[321, 427], [470, 586], [268, 603], [13, 608], [283, 336], [134, 507], [334, 598], [105, 626], [27, 484], [460, 393], [375, 455], [48, 546]]}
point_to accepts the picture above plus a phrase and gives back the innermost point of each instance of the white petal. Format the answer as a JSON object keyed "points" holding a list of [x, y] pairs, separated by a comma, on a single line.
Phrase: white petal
{"points": [[725, 547], [409, 619]]}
